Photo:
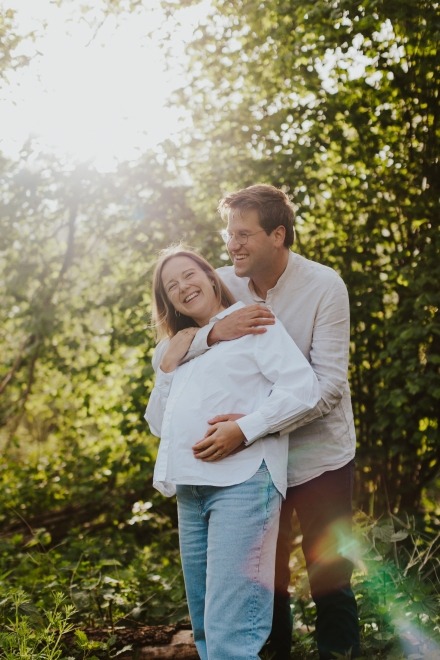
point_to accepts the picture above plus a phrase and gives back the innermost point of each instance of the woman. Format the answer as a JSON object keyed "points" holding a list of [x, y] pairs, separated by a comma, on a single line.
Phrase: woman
{"points": [[228, 503]]}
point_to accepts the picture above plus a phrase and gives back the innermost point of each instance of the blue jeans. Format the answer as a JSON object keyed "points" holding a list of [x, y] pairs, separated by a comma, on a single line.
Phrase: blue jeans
{"points": [[227, 542], [324, 510]]}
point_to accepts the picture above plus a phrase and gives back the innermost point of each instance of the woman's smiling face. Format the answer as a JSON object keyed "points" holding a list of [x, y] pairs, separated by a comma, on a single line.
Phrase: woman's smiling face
{"points": [[189, 289]]}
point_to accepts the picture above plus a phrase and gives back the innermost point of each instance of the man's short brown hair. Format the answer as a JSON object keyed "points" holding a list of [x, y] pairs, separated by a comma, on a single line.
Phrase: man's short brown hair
{"points": [[272, 204]]}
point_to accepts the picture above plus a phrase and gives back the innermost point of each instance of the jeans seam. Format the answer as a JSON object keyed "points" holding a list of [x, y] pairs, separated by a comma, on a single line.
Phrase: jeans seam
{"points": [[253, 609]]}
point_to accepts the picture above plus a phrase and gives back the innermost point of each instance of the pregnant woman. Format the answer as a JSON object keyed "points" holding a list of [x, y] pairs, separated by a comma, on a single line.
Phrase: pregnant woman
{"points": [[228, 495]]}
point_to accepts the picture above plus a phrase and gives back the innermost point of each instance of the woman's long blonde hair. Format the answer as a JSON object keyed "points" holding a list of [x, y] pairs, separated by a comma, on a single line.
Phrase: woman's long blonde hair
{"points": [[166, 320]]}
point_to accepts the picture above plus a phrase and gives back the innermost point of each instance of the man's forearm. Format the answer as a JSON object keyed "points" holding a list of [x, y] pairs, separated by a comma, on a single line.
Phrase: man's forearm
{"points": [[300, 420]]}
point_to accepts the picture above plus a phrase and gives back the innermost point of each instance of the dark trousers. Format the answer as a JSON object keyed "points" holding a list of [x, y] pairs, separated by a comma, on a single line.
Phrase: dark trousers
{"points": [[324, 510]]}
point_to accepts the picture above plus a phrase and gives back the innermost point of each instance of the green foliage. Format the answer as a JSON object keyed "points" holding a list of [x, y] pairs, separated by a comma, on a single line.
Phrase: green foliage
{"points": [[338, 103], [9, 41], [397, 588], [29, 635], [113, 554], [396, 583]]}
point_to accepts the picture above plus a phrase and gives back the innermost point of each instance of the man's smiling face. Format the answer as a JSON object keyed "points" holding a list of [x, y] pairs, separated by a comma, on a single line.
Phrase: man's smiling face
{"points": [[256, 255]]}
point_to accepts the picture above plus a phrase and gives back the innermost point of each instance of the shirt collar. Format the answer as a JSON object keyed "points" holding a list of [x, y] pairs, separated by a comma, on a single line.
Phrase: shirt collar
{"points": [[284, 276], [227, 311]]}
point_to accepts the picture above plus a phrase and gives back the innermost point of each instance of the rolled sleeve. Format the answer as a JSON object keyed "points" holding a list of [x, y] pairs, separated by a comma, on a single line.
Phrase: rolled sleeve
{"points": [[199, 344], [295, 391], [253, 426], [159, 395]]}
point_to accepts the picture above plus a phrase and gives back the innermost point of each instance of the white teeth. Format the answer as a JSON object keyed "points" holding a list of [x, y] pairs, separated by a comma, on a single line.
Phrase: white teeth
{"points": [[190, 297]]}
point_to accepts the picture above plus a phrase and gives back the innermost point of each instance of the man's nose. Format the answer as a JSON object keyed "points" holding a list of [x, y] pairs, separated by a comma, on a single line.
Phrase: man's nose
{"points": [[233, 244]]}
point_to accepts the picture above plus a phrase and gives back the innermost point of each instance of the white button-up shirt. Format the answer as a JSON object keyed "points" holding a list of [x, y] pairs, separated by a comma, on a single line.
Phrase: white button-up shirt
{"points": [[265, 377]]}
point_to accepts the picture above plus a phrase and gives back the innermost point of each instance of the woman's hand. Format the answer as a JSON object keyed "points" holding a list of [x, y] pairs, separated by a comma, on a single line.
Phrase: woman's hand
{"points": [[221, 440], [177, 349]]}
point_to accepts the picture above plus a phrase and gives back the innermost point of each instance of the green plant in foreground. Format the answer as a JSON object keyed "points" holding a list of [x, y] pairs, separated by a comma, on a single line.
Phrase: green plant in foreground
{"points": [[396, 583], [397, 589], [87, 646], [30, 636]]}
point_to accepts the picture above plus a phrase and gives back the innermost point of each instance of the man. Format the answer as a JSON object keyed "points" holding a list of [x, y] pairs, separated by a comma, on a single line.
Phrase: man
{"points": [[311, 301]]}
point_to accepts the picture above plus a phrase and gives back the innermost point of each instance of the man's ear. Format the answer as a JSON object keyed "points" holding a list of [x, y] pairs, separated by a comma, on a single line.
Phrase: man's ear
{"points": [[279, 234]]}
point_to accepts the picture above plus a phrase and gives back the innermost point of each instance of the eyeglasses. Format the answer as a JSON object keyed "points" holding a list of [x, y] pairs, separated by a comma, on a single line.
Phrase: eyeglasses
{"points": [[241, 237]]}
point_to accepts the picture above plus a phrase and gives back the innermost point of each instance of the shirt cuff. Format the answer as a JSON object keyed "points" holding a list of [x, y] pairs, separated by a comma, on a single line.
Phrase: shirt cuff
{"points": [[253, 426], [164, 380], [199, 344]]}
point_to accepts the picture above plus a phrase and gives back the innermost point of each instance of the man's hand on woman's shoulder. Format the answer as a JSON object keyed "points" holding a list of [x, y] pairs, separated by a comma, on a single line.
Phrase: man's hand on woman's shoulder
{"points": [[249, 320]]}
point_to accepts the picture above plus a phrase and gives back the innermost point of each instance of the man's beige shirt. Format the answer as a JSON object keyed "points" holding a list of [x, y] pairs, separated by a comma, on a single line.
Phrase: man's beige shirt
{"points": [[312, 302]]}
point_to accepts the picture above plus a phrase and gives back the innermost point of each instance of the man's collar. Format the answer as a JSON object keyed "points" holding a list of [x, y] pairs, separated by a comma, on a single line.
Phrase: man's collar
{"points": [[284, 275]]}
